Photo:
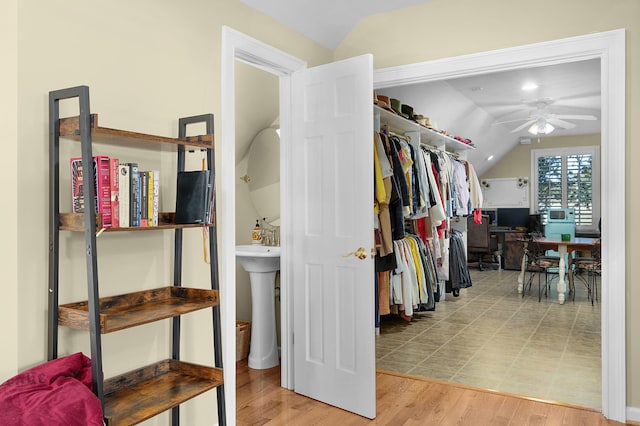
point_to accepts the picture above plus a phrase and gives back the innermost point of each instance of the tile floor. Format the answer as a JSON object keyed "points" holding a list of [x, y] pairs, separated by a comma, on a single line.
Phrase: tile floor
{"points": [[492, 337]]}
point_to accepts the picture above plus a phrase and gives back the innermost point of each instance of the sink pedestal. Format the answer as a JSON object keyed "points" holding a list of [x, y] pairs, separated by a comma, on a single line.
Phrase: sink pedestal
{"points": [[263, 352], [262, 263]]}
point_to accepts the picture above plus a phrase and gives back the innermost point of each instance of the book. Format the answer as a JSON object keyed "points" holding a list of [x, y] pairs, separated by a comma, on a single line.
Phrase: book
{"points": [[114, 175], [154, 186], [101, 190], [144, 198], [134, 194], [77, 199], [103, 181], [193, 197], [124, 194]]}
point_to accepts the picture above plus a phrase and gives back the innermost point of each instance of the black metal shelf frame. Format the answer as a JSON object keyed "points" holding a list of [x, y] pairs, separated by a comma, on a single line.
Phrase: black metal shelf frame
{"points": [[82, 93]]}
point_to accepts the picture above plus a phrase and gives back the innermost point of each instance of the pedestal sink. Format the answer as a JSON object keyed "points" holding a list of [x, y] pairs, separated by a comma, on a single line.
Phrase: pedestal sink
{"points": [[262, 263]]}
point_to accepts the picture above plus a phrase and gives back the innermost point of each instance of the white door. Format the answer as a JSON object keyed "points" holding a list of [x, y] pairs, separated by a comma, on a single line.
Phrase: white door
{"points": [[332, 174]]}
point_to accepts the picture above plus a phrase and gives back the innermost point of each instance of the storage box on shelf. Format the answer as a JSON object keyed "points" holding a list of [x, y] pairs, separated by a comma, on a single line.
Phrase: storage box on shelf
{"points": [[147, 391]]}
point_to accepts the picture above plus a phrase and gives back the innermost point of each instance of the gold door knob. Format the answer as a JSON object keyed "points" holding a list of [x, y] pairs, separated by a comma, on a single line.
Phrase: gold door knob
{"points": [[360, 253]]}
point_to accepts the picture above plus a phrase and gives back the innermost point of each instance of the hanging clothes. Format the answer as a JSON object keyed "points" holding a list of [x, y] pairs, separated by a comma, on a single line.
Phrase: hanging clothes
{"points": [[458, 271], [419, 190]]}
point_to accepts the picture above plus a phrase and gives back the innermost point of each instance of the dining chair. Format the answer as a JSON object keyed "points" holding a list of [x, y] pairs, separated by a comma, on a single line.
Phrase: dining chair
{"points": [[538, 263], [591, 265]]}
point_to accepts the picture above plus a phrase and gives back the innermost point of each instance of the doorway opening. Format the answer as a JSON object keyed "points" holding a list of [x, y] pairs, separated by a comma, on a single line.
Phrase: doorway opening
{"points": [[491, 336], [239, 47]]}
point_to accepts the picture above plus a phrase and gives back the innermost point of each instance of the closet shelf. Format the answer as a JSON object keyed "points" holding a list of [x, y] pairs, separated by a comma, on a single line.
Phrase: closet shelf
{"points": [[142, 307], [166, 220], [139, 395], [69, 128], [427, 136]]}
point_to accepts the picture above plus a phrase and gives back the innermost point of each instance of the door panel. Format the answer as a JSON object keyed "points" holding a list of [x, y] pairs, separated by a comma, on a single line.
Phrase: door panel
{"points": [[334, 342]]}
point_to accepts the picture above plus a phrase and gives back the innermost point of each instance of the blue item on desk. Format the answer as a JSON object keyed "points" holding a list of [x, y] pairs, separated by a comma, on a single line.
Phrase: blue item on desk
{"points": [[560, 221]]}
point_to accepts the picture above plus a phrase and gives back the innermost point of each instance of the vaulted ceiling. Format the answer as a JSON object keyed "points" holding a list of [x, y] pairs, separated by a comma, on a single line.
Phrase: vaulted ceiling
{"points": [[472, 106]]}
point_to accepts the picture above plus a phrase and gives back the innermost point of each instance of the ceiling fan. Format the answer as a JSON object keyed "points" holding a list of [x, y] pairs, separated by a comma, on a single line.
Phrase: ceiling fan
{"points": [[542, 121]]}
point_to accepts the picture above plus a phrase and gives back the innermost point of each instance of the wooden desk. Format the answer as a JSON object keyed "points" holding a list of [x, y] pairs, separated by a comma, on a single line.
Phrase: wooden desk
{"points": [[562, 247], [510, 244]]}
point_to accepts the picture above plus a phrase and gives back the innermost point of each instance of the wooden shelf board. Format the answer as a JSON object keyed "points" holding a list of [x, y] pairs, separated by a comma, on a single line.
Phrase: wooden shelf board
{"points": [[69, 128], [166, 220], [142, 307], [139, 395]]}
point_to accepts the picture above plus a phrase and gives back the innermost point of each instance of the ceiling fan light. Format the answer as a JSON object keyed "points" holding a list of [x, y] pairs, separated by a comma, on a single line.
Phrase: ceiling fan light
{"points": [[541, 127]]}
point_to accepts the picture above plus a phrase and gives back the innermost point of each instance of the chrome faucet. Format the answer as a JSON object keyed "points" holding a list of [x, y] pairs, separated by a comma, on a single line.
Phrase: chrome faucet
{"points": [[270, 234]]}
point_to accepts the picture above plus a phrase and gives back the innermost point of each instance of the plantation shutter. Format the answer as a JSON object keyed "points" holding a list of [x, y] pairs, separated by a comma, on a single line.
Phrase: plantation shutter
{"points": [[568, 178], [579, 187], [549, 183]]}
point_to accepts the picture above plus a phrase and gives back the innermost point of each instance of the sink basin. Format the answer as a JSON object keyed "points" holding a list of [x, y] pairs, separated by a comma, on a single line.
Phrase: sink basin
{"points": [[258, 258], [262, 263]]}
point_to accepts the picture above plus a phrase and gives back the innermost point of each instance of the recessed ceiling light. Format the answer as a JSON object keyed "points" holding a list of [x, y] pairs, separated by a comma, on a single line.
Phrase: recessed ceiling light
{"points": [[489, 158], [529, 86]]}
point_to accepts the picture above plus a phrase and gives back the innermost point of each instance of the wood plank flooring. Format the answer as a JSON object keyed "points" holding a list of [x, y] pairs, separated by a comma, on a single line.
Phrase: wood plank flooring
{"points": [[401, 400]]}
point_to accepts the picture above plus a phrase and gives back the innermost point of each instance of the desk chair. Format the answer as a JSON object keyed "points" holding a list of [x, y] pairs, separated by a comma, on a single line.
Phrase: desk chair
{"points": [[538, 263], [592, 266], [480, 242]]}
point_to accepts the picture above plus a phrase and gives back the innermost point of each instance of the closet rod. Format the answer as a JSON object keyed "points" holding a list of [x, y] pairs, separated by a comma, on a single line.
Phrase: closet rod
{"points": [[435, 148]]}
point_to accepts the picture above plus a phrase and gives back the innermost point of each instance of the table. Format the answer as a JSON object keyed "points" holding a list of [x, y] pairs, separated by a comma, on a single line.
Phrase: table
{"points": [[562, 247]]}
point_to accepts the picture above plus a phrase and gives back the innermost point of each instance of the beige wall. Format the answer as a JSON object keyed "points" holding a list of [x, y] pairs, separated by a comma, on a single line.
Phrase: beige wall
{"points": [[517, 162], [446, 28], [147, 63], [9, 178]]}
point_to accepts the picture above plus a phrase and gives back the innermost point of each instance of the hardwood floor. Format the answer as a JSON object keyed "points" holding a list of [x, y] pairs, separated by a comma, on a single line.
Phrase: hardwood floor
{"points": [[401, 400]]}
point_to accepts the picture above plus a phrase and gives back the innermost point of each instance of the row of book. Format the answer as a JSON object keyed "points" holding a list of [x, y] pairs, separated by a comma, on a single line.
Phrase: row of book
{"points": [[124, 195]]}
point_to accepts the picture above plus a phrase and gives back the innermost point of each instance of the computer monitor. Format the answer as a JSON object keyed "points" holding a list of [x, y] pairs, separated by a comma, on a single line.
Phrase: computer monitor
{"points": [[493, 216], [513, 217]]}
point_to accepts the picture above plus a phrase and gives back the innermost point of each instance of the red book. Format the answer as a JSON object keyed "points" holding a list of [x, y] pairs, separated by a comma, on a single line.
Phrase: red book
{"points": [[101, 191], [114, 166]]}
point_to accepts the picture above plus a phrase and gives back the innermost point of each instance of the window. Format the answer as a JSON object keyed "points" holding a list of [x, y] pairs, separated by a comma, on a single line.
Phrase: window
{"points": [[568, 178]]}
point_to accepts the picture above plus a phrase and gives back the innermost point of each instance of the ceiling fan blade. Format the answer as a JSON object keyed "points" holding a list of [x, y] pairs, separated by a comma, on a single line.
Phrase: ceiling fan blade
{"points": [[561, 123], [522, 126], [574, 116], [497, 123]]}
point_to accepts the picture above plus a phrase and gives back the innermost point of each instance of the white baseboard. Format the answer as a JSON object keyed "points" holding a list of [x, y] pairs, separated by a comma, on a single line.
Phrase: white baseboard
{"points": [[633, 413]]}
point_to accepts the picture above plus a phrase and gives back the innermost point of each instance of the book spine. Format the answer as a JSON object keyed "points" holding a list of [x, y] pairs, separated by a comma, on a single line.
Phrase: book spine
{"points": [[124, 191], [103, 190], [77, 199], [144, 199], [150, 198], [114, 169], [156, 197], [134, 204]]}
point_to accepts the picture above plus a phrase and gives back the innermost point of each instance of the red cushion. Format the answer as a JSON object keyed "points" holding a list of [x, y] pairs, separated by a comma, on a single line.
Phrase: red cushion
{"points": [[57, 392]]}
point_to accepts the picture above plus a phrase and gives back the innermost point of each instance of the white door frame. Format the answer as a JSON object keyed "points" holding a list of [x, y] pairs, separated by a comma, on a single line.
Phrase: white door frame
{"points": [[237, 46], [609, 47]]}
